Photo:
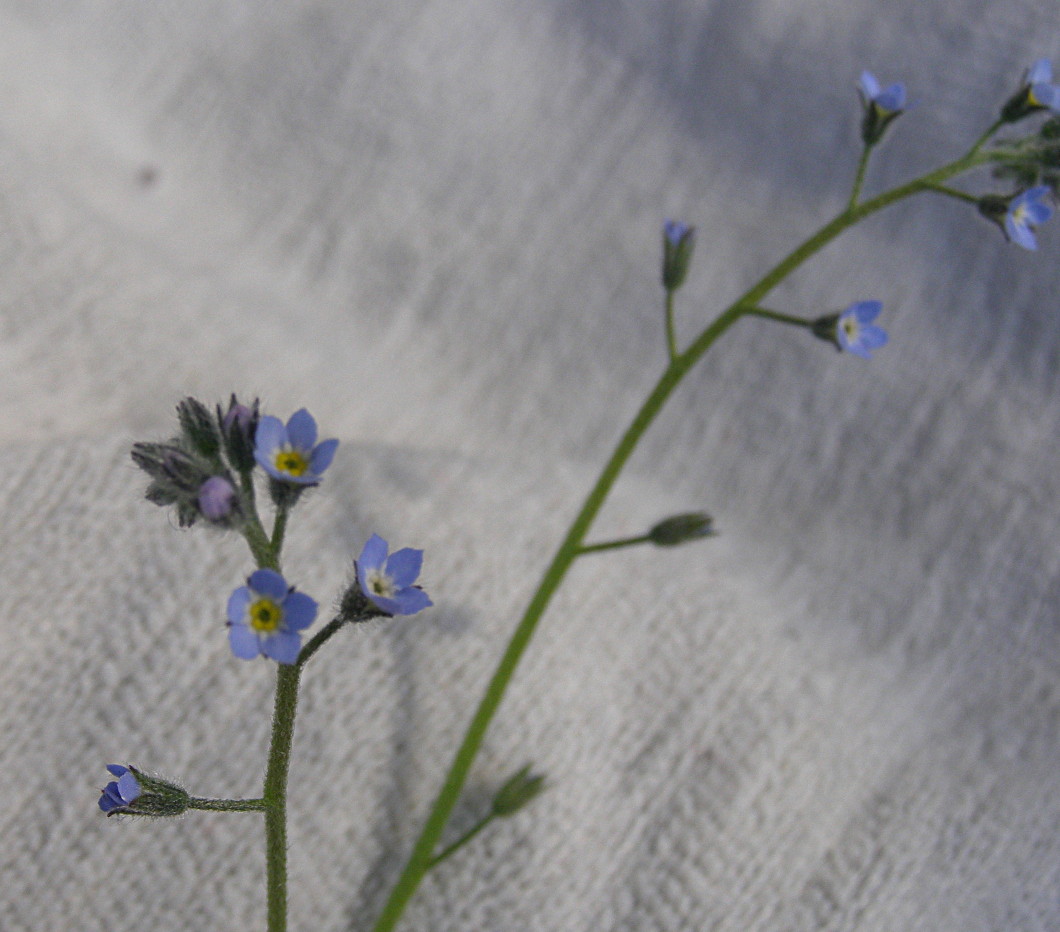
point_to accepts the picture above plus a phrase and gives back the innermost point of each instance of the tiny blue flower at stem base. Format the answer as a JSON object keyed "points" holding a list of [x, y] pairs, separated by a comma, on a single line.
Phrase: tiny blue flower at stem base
{"points": [[881, 106], [853, 330], [289, 453], [388, 582], [1025, 211], [119, 794], [265, 617]]}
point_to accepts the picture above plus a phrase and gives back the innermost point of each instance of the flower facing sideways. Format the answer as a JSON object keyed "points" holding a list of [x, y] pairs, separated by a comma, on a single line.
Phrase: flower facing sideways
{"points": [[1026, 211], [119, 794], [265, 617], [853, 330], [881, 104], [388, 582], [291, 453]]}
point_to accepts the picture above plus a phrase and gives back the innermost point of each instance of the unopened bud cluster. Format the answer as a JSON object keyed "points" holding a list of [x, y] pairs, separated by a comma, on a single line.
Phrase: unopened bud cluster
{"points": [[195, 470]]}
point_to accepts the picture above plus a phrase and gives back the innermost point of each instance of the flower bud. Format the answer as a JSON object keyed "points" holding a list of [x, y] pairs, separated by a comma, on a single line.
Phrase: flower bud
{"points": [[679, 241], [135, 793], [217, 500], [239, 425], [199, 428], [680, 529], [519, 789]]}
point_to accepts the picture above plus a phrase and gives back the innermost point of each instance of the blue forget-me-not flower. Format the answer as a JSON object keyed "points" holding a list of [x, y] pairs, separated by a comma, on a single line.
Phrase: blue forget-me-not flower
{"points": [[119, 794], [1026, 211], [388, 582], [291, 453], [882, 105], [265, 617], [855, 331]]}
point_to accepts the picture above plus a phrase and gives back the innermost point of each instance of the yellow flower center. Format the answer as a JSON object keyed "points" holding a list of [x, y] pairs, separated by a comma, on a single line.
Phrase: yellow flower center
{"points": [[265, 615], [850, 327], [292, 462]]}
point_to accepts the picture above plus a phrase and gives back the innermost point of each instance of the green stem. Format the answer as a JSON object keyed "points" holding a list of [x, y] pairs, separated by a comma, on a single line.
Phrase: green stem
{"points": [[227, 805], [274, 795], [318, 640], [614, 544], [462, 840], [420, 859], [258, 541], [671, 337], [279, 526], [776, 315], [859, 178], [981, 141], [954, 193]]}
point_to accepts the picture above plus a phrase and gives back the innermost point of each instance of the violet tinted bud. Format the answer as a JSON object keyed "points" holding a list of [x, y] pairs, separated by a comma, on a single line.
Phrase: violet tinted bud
{"points": [[217, 499], [239, 425]]}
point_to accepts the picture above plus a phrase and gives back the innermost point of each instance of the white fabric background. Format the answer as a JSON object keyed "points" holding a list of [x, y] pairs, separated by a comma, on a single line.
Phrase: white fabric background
{"points": [[436, 224]]}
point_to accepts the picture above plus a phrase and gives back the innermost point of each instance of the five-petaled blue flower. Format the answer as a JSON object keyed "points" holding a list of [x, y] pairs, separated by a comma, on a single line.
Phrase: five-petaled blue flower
{"points": [[890, 99], [388, 583], [291, 453], [119, 794], [1041, 92], [855, 331], [265, 616], [1025, 211]]}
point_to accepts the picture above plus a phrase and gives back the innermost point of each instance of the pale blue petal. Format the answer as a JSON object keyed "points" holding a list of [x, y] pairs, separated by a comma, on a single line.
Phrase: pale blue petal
{"points": [[865, 311], [117, 769], [873, 337], [411, 600], [270, 434], [404, 566], [268, 583], [868, 84], [244, 642], [1041, 72], [299, 610], [1020, 234], [390, 606], [283, 647], [302, 430], [322, 456], [238, 603], [373, 555], [892, 99]]}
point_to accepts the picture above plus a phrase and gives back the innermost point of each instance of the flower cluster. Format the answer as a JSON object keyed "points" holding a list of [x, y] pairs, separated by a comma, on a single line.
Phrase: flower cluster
{"points": [[195, 470], [206, 471]]}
